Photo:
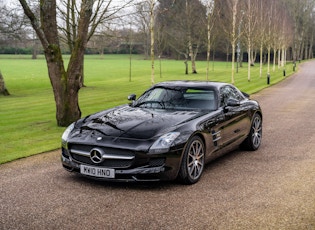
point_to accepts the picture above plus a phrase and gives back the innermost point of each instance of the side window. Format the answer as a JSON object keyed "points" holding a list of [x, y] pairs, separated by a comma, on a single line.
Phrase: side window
{"points": [[200, 99], [228, 92], [238, 95]]}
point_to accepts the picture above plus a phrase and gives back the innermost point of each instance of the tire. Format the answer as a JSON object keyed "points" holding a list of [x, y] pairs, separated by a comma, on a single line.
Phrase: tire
{"points": [[193, 161], [253, 141]]}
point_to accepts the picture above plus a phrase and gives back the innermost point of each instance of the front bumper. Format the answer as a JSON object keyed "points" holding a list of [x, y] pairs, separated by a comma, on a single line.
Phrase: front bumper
{"points": [[166, 171]]}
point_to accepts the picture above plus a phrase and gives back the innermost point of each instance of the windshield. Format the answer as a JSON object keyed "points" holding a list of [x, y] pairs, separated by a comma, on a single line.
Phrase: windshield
{"points": [[182, 99]]}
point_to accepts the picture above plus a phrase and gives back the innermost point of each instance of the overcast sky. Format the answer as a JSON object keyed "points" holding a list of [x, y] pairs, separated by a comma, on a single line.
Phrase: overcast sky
{"points": [[9, 2]]}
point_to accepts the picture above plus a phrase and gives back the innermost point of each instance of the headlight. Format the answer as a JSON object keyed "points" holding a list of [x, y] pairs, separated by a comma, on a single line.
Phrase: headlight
{"points": [[163, 144], [67, 132]]}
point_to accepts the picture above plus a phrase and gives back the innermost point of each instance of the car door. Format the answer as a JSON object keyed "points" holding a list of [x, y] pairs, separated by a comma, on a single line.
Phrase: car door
{"points": [[213, 125], [236, 119]]}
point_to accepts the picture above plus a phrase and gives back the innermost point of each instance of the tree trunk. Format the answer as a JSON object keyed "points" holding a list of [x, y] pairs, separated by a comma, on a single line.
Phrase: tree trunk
{"points": [[193, 61], [66, 88], [283, 57], [152, 4], [274, 59], [279, 58], [268, 59], [3, 88], [208, 45], [189, 39], [192, 58], [233, 39], [35, 49], [186, 64], [310, 52], [233, 63], [249, 61], [261, 60], [66, 84]]}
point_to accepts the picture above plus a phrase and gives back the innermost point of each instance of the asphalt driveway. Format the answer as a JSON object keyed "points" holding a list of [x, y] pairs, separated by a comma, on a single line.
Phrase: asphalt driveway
{"points": [[272, 188]]}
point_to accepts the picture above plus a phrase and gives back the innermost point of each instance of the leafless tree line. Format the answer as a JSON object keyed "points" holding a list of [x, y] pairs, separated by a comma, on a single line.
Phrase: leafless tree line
{"points": [[186, 28]]}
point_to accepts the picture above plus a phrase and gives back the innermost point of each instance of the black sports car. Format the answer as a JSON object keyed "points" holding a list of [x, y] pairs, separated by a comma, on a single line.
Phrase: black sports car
{"points": [[169, 132]]}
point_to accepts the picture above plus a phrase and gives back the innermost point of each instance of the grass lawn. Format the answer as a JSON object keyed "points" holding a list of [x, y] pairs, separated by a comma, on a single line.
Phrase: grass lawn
{"points": [[27, 116]]}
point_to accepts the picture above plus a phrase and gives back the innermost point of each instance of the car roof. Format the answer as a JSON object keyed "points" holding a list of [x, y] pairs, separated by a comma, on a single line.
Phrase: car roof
{"points": [[193, 84]]}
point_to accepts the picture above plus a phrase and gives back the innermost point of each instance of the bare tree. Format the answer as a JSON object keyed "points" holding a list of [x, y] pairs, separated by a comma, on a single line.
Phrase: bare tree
{"points": [[265, 17], [271, 31], [211, 10], [192, 51], [14, 29], [282, 35], [172, 27], [183, 25], [301, 12], [152, 19], [105, 11], [81, 23], [230, 19], [283, 39], [142, 18], [65, 83], [250, 21], [261, 16]]}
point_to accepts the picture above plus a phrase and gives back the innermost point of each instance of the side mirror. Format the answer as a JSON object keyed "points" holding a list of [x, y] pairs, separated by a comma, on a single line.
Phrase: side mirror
{"points": [[132, 97], [232, 102]]}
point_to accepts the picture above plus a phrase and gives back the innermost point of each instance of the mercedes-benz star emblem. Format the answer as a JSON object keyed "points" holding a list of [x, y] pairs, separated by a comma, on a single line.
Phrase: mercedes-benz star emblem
{"points": [[96, 156]]}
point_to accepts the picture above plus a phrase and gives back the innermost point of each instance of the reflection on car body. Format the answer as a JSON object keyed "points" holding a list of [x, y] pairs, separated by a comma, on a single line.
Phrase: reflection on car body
{"points": [[171, 131]]}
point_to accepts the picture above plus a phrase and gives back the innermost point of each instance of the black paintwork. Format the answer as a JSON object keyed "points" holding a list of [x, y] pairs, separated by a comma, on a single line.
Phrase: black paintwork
{"points": [[130, 130]]}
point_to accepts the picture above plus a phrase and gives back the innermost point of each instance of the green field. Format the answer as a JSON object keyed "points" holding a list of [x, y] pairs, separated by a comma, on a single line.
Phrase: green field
{"points": [[27, 116]]}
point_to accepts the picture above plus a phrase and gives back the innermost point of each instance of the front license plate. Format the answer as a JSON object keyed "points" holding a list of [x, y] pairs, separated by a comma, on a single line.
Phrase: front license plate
{"points": [[97, 171]]}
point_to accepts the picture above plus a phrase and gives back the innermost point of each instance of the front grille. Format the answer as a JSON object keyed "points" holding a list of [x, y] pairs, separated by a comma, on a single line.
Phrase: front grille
{"points": [[111, 163], [81, 154], [88, 148]]}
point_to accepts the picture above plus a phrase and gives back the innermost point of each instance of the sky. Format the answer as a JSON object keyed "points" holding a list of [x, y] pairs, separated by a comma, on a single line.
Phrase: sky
{"points": [[9, 2]]}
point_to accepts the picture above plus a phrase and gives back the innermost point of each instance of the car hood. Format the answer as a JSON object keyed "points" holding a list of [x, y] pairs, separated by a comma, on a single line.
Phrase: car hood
{"points": [[136, 123]]}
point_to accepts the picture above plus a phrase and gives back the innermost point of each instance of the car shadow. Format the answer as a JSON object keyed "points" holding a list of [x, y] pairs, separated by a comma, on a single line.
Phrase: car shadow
{"points": [[157, 185]]}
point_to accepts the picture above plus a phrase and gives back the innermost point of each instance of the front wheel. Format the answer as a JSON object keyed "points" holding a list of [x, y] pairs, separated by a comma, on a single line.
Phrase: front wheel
{"points": [[193, 161], [253, 141]]}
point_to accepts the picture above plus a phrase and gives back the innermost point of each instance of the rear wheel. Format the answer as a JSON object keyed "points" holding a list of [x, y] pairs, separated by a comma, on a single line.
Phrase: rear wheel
{"points": [[193, 161], [253, 141]]}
